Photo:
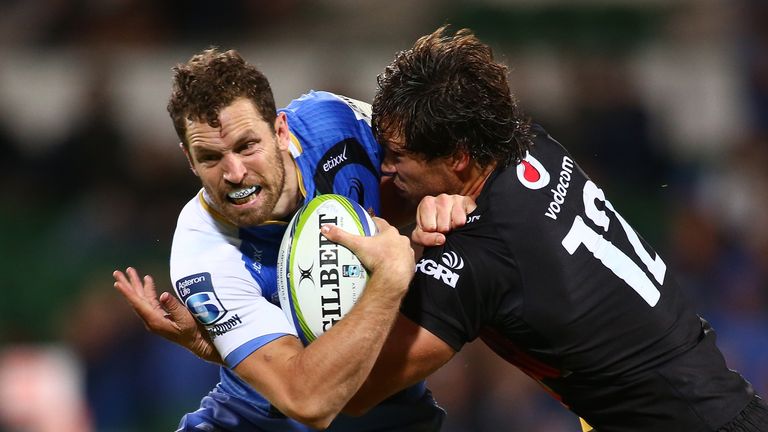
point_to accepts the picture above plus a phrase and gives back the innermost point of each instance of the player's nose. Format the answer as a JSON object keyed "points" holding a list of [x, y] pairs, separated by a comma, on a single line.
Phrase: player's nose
{"points": [[234, 169], [388, 167]]}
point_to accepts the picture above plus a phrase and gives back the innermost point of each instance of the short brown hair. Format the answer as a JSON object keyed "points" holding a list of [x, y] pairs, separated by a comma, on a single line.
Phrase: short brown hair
{"points": [[446, 94], [210, 81]]}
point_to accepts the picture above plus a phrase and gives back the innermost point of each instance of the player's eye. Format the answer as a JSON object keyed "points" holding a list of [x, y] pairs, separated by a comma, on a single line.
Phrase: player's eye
{"points": [[395, 154], [248, 147], [207, 158]]}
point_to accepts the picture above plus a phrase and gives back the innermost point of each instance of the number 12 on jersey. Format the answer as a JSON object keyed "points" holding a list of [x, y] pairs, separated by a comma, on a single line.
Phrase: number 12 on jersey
{"points": [[611, 256]]}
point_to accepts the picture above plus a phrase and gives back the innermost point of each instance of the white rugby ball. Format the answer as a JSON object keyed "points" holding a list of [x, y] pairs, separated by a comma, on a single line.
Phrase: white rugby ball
{"points": [[319, 281]]}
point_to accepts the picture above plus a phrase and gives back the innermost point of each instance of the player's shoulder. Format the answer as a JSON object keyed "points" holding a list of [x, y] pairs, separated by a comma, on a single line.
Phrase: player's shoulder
{"points": [[317, 102], [546, 150], [473, 247], [190, 213], [546, 173], [198, 218], [202, 236], [326, 98]]}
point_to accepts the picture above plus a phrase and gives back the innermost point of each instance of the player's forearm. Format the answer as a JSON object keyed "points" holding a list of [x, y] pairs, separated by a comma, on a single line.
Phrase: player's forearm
{"points": [[342, 358], [318, 381], [409, 355], [377, 387], [389, 375]]}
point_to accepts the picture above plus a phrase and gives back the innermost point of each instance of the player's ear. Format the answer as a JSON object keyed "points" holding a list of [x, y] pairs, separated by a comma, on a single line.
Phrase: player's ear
{"points": [[189, 158], [281, 131]]}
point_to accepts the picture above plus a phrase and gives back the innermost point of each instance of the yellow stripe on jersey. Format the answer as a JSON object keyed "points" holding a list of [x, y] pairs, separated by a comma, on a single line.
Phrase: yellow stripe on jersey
{"points": [[296, 151], [585, 427], [295, 146], [212, 211]]}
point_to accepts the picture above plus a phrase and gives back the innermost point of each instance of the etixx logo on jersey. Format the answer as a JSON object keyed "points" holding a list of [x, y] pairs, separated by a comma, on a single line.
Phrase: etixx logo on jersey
{"points": [[531, 173], [335, 160], [196, 291], [444, 270]]}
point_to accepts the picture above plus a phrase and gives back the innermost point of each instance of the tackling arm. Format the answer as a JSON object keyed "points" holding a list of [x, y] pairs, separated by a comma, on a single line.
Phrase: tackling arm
{"points": [[410, 354], [434, 217]]}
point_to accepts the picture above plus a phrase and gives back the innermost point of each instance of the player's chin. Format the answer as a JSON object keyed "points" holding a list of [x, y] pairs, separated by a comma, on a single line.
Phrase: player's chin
{"points": [[246, 214], [410, 197], [406, 194], [247, 218]]}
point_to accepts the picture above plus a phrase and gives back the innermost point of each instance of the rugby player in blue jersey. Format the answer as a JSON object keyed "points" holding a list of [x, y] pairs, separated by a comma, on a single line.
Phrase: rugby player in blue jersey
{"points": [[258, 165]]}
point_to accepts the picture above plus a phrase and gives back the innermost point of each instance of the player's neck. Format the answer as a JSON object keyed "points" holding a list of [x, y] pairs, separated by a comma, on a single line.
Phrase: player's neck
{"points": [[477, 179], [291, 198]]}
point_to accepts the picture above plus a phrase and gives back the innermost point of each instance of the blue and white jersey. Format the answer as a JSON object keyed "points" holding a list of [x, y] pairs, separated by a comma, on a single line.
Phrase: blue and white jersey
{"points": [[226, 275], [332, 140]]}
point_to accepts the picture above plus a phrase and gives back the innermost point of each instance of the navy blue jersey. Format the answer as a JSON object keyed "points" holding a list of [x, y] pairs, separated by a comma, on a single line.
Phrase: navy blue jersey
{"points": [[551, 277]]}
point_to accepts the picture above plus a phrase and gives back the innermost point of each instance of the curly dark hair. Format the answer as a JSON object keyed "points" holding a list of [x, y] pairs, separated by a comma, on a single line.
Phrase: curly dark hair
{"points": [[446, 94], [210, 81]]}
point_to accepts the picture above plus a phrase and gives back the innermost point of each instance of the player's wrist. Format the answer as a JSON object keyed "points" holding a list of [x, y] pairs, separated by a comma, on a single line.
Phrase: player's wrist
{"points": [[387, 291]]}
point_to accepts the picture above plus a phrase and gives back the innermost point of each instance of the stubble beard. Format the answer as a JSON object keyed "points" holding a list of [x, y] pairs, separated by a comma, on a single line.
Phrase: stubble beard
{"points": [[271, 190]]}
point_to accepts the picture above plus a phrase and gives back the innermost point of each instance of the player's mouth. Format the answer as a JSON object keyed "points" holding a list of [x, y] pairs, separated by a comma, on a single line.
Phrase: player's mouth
{"points": [[242, 196], [398, 186]]}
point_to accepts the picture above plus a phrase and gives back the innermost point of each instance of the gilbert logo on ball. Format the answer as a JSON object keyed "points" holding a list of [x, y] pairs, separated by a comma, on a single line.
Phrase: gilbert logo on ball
{"points": [[319, 281]]}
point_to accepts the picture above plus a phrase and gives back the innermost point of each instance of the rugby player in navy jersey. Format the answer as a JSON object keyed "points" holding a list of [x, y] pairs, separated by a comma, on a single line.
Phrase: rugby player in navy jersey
{"points": [[257, 166], [545, 271]]}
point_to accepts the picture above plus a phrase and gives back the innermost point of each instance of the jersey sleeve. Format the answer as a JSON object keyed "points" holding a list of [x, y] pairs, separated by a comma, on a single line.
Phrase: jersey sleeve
{"points": [[442, 298], [211, 280], [237, 317]]}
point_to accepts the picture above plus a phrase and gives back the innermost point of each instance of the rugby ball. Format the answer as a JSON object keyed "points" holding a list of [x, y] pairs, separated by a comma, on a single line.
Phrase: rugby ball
{"points": [[319, 281]]}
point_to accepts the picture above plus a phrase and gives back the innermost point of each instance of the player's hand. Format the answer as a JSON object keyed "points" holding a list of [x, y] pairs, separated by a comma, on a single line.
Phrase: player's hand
{"points": [[387, 255], [439, 215], [164, 315]]}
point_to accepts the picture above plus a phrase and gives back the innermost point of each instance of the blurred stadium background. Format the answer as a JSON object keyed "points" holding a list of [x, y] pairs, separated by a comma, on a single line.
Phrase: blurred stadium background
{"points": [[665, 103]]}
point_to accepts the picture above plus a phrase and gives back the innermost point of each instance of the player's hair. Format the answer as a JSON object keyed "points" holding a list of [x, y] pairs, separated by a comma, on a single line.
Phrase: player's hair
{"points": [[446, 94], [210, 81]]}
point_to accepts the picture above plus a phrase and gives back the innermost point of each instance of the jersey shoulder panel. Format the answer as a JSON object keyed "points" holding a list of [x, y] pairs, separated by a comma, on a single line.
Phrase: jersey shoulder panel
{"points": [[334, 148], [323, 103], [318, 119]]}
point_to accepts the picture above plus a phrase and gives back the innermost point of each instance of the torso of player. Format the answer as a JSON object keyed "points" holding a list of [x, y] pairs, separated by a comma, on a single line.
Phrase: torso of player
{"points": [[225, 274], [552, 277], [594, 297]]}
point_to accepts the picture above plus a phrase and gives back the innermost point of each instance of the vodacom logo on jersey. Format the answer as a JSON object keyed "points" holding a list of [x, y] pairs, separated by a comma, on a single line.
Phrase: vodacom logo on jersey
{"points": [[531, 173]]}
